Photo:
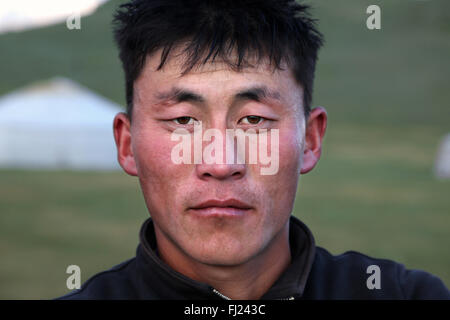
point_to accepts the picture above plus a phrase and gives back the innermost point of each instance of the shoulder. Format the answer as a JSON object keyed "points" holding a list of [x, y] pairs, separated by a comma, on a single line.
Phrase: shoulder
{"points": [[353, 275], [114, 283]]}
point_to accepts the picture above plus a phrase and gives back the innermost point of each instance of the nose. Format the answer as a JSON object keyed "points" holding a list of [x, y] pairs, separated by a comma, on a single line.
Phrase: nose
{"points": [[223, 165], [220, 171]]}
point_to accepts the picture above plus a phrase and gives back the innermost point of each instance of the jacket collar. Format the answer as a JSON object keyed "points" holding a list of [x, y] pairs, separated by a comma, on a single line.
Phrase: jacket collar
{"points": [[156, 279]]}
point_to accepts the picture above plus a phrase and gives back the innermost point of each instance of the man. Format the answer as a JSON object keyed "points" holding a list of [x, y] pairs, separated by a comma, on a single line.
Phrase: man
{"points": [[223, 229]]}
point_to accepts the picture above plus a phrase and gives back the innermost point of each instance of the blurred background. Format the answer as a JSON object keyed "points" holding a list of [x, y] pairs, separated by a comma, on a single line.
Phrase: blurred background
{"points": [[381, 186]]}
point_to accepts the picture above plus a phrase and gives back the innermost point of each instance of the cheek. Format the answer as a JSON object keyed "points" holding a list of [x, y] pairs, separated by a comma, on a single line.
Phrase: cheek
{"points": [[288, 147], [291, 146], [276, 193], [282, 186], [156, 171], [151, 150]]}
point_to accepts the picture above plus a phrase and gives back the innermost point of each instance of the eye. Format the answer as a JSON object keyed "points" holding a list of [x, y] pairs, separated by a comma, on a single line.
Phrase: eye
{"points": [[184, 120], [252, 120]]}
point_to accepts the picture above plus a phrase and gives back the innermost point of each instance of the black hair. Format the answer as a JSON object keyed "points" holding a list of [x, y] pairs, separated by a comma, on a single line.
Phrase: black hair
{"points": [[281, 30]]}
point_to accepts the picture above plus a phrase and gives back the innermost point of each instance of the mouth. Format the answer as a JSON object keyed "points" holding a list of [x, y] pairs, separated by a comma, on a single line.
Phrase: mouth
{"points": [[221, 208]]}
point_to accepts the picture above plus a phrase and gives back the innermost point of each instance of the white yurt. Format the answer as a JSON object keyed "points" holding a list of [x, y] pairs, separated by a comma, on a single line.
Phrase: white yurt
{"points": [[442, 164], [20, 15], [57, 124]]}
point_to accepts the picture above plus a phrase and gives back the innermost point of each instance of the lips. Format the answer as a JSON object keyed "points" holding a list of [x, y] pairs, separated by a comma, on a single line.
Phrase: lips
{"points": [[228, 207]]}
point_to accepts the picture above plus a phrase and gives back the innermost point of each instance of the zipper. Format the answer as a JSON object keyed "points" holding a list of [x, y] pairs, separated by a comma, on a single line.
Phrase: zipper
{"points": [[220, 294], [288, 298], [227, 298]]}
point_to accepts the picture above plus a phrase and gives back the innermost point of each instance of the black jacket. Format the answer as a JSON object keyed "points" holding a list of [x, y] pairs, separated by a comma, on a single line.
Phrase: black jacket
{"points": [[313, 274]]}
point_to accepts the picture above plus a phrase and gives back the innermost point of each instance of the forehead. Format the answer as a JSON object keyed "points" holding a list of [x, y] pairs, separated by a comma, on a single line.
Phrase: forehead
{"points": [[215, 76]]}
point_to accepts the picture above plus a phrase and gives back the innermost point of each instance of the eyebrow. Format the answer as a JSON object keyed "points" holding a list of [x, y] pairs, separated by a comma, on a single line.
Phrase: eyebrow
{"points": [[179, 95], [257, 93]]}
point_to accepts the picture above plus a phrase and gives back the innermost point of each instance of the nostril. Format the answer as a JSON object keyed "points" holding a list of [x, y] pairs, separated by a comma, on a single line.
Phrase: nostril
{"points": [[220, 171]]}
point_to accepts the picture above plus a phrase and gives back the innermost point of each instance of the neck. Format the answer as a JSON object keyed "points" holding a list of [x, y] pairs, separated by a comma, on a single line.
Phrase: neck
{"points": [[247, 281]]}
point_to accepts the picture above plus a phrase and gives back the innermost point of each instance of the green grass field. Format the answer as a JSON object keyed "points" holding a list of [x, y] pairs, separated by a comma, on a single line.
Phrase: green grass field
{"points": [[387, 97]]}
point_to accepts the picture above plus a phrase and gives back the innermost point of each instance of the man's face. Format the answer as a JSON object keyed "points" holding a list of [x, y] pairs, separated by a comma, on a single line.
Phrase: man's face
{"points": [[220, 99]]}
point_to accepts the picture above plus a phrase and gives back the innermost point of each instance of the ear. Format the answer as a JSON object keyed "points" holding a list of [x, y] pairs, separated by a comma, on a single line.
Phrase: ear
{"points": [[122, 136], [314, 132]]}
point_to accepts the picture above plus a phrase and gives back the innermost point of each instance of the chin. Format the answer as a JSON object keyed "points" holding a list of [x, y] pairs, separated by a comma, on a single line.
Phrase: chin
{"points": [[224, 255], [223, 260]]}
